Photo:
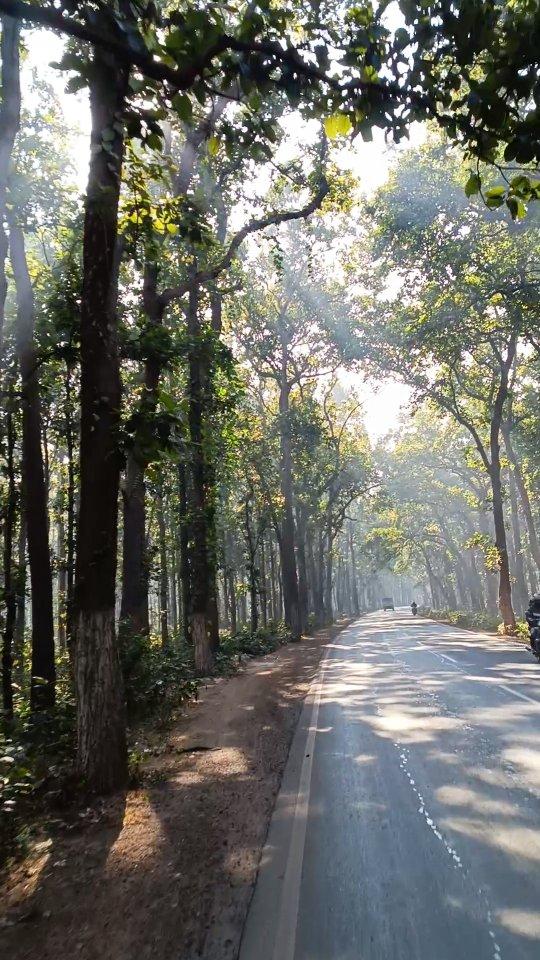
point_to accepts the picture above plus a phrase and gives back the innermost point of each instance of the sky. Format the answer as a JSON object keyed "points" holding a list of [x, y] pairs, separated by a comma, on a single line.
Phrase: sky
{"points": [[369, 162]]}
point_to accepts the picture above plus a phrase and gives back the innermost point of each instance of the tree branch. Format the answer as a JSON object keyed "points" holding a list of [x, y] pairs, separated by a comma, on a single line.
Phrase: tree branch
{"points": [[282, 216]]}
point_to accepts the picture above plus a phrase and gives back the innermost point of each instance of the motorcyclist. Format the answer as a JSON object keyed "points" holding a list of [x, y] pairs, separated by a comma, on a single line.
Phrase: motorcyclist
{"points": [[532, 616], [414, 608]]}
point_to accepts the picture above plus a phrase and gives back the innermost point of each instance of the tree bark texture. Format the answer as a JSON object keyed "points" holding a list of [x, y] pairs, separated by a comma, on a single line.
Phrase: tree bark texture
{"points": [[102, 751]]}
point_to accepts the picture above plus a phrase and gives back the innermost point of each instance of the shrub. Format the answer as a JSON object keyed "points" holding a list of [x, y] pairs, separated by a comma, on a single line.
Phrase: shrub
{"points": [[467, 620]]}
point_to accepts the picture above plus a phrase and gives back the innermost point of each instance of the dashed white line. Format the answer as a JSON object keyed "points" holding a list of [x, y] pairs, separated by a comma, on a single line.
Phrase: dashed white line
{"points": [[492, 680]]}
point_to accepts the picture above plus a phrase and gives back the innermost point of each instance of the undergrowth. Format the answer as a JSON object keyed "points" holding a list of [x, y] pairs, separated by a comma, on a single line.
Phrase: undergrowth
{"points": [[37, 773], [488, 622]]}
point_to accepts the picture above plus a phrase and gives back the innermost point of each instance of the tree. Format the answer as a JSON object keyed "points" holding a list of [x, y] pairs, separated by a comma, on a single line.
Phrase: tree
{"points": [[463, 312]]}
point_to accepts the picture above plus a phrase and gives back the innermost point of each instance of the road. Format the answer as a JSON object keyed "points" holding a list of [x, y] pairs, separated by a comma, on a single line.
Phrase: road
{"points": [[407, 825]]}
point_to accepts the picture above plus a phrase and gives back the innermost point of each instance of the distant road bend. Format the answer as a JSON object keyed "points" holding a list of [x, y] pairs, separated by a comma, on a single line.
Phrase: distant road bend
{"points": [[407, 826]]}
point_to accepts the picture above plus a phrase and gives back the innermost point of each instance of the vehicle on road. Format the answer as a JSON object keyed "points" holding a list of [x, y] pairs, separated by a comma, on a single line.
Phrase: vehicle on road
{"points": [[414, 608], [532, 617], [388, 603]]}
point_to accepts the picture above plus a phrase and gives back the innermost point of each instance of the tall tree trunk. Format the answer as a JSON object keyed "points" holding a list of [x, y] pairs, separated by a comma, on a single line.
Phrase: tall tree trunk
{"points": [[71, 512], [233, 602], [303, 597], [318, 606], [183, 540], [521, 583], [20, 623], [321, 592], [172, 587], [328, 603], [102, 751], [198, 490], [62, 580], [263, 589], [134, 614], [42, 690], [274, 614], [491, 577], [505, 586], [163, 572], [475, 584], [354, 576], [9, 573], [431, 578], [252, 570], [534, 543], [287, 540], [10, 109]]}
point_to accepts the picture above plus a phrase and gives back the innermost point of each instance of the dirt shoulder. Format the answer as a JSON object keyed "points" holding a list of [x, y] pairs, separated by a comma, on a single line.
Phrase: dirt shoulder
{"points": [[167, 870]]}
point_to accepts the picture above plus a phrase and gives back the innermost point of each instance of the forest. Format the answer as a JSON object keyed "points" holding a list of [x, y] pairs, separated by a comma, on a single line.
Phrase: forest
{"points": [[186, 345]]}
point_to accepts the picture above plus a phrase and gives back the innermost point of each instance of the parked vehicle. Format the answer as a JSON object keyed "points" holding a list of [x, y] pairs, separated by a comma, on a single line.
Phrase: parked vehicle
{"points": [[388, 603], [532, 617], [414, 608]]}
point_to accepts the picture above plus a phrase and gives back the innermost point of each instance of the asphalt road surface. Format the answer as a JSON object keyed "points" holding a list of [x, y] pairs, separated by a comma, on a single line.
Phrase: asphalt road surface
{"points": [[408, 822]]}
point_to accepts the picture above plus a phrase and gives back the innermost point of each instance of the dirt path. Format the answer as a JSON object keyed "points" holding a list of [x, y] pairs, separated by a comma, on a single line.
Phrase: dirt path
{"points": [[167, 871]]}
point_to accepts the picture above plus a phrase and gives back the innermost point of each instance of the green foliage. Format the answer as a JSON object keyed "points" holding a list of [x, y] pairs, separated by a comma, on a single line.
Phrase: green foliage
{"points": [[246, 644], [156, 680], [36, 765], [468, 621]]}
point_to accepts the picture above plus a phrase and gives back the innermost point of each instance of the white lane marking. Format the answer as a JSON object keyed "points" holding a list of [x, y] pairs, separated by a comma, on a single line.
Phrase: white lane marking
{"points": [[492, 680], [285, 941], [516, 693], [422, 809]]}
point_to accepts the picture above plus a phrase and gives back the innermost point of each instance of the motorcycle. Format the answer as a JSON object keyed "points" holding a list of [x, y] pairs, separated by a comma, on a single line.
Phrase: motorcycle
{"points": [[414, 608], [532, 617]]}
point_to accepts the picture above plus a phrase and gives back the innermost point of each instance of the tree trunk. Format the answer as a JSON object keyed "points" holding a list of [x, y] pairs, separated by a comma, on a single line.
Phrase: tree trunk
{"points": [[62, 581], [263, 589], [70, 533], [20, 622], [172, 588], [534, 543], [274, 615], [318, 606], [163, 573], [199, 552], [521, 583], [321, 577], [505, 586], [303, 597], [354, 576], [475, 583], [328, 604], [42, 690], [10, 109], [134, 614], [491, 578], [287, 539], [183, 539], [431, 578], [102, 752], [251, 547], [9, 578]]}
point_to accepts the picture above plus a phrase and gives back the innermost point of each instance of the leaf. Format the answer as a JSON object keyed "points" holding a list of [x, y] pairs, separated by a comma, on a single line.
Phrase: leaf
{"points": [[516, 207], [473, 185], [495, 192], [213, 146], [182, 106], [337, 125]]}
